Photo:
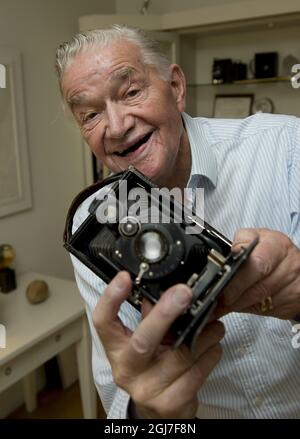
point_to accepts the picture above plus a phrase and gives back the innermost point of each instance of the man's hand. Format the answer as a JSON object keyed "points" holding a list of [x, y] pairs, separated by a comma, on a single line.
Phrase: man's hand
{"points": [[162, 382], [271, 276]]}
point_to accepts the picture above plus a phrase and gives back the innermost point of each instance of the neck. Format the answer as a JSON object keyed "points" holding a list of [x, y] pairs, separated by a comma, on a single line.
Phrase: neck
{"points": [[181, 170]]}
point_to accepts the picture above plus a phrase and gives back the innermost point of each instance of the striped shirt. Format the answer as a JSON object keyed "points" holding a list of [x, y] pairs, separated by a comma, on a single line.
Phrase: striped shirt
{"points": [[250, 172]]}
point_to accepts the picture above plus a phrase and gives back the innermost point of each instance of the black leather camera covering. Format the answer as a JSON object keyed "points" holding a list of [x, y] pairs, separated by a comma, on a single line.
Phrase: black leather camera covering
{"points": [[203, 260]]}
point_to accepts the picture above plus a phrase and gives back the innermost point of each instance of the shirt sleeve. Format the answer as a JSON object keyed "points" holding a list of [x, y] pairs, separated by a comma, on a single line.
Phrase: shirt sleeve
{"points": [[114, 400], [294, 185]]}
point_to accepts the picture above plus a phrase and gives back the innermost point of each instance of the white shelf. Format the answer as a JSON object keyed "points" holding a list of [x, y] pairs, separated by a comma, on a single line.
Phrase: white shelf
{"points": [[262, 81]]}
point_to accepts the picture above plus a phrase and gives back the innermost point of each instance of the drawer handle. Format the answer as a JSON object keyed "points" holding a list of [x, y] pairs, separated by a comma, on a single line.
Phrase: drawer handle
{"points": [[57, 337], [7, 370]]}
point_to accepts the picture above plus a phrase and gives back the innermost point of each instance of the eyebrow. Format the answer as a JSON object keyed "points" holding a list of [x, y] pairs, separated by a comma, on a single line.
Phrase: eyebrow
{"points": [[76, 100], [121, 75]]}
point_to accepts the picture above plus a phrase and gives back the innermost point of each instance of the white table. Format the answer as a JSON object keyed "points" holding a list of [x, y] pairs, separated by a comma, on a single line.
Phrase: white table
{"points": [[36, 333]]}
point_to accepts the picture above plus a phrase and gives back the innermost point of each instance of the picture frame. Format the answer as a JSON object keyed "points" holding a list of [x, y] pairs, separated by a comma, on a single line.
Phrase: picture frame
{"points": [[15, 184], [232, 106]]}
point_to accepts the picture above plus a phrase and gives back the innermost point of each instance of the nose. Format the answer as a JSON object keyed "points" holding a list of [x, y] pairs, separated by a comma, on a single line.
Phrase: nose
{"points": [[119, 121]]}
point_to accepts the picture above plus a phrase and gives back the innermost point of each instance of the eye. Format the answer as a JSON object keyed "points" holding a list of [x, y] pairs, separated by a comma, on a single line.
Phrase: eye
{"points": [[90, 116], [132, 93]]}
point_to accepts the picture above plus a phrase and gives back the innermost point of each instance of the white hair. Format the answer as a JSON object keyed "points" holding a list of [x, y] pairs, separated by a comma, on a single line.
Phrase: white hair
{"points": [[150, 50]]}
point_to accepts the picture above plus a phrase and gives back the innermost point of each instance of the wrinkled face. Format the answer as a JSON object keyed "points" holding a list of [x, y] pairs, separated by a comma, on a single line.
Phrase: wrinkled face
{"points": [[126, 112]]}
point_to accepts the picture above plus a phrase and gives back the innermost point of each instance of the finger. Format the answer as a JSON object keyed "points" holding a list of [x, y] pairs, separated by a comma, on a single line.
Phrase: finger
{"points": [[266, 256], [210, 336], [150, 332], [276, 285], [175, 380], [146, 307], [245, 236], [176, 362], [204, 365], [105, 315], [285, 304], [188, 384]]}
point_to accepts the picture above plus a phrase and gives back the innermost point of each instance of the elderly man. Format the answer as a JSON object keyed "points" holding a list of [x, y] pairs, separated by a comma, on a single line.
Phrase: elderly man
{"points": [[129, 102]]}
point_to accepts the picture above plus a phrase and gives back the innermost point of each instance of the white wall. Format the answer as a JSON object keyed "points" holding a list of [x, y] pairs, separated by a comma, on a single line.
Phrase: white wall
{"points": [[36, 27]]}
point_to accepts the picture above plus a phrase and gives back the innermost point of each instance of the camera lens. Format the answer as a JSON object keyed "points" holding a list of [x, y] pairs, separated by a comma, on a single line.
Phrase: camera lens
{"points": [[152, 246]]}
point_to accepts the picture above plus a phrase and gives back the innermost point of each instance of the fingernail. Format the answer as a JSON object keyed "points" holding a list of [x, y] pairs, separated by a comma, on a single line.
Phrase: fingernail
{"points": [[119, 282], [181, 296], [244, 237]]}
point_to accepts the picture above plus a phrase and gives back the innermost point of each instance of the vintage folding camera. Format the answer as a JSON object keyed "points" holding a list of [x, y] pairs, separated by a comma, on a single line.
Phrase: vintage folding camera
{"points": [[135, 226]]}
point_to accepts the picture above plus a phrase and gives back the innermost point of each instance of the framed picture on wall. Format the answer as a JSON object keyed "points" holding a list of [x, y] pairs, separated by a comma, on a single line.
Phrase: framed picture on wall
{"points": [[15, 184], [234, 106]]}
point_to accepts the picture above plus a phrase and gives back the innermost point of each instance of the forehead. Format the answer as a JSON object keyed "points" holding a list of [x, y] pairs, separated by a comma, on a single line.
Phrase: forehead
{"points": [[114, 62]]}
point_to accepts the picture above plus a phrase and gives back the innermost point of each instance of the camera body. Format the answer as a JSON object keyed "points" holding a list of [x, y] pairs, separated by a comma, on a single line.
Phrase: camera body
{"points": [[226, 71], [135, 226]]}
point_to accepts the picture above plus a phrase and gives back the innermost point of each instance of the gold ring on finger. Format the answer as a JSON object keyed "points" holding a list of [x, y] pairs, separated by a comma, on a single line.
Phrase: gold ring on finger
{"points": [[266, 305]]}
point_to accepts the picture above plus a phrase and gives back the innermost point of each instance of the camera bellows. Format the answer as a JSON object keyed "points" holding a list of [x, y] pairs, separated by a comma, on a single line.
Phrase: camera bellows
{"points": [[198, 255], [103, 242]]}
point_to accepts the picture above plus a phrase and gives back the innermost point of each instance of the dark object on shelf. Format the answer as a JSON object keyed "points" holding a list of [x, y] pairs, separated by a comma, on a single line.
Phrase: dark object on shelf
{"points": [[239, 71], [266, 65], [7, 280], [7, 255], [222, 71], [7, 275], [178, 248], [226, 71]]}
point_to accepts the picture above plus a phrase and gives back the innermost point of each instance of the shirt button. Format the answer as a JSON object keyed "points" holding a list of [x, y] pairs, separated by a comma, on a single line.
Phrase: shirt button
{"points": [[259, 401], [241, 352]]}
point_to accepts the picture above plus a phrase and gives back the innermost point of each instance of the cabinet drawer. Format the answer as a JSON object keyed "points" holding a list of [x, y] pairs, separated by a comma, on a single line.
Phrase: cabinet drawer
{"points": [[39, 353]]}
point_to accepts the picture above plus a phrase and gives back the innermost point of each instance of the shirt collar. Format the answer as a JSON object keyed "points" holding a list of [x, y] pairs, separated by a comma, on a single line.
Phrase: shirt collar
{"points": [[203, 160]]}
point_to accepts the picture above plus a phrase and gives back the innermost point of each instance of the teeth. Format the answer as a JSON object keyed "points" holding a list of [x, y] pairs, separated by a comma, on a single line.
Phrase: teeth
{"points": [[135, 146]]}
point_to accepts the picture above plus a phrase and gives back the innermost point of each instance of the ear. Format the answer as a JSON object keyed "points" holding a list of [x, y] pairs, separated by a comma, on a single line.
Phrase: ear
{"points": [[178, 85]]}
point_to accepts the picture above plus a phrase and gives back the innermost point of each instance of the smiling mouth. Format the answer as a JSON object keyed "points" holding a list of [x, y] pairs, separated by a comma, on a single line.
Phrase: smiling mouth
{"points": [[134, 147]]}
